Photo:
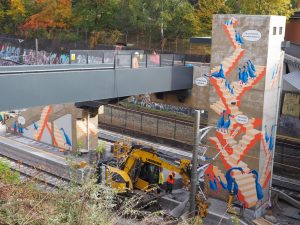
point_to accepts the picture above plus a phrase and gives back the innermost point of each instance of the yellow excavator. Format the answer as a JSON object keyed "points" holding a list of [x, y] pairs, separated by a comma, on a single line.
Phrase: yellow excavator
{"points": [[140, 171], [120, 149]]}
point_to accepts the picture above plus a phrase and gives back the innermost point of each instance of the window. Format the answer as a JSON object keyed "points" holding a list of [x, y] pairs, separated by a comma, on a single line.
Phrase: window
{"points": [[274, 30], [280, 30]]}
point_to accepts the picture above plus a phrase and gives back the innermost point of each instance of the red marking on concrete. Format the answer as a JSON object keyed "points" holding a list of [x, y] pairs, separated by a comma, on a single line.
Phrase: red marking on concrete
{"points": [[44, 123], [256, 123], [50, 130], [235, 62], [267, 180], [229, 36], [253, 141], [209, 172], [224, 142], [220, 93], [225, 163]]}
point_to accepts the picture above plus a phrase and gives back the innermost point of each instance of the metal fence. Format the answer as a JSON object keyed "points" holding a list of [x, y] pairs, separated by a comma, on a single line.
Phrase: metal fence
{"points": [[125, 58]]}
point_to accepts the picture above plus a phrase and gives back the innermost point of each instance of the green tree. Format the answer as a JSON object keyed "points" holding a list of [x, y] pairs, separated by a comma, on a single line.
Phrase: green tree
{"points": [[176, 18], [267, 7], [95, 15], [182, 21], [4, 6], [206, 9], [16, 13]]}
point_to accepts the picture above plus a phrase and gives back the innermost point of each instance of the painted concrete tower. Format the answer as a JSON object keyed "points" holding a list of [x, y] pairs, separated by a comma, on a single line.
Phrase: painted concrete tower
{"points": [[246, 71]]}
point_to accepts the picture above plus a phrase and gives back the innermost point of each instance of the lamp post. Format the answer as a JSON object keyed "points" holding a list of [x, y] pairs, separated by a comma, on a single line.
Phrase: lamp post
{"points": [[199, 134], [194, 162]]}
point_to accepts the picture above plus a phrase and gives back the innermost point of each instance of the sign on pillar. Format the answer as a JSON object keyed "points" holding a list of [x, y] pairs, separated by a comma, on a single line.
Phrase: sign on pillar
{"points": [[245, 81]]}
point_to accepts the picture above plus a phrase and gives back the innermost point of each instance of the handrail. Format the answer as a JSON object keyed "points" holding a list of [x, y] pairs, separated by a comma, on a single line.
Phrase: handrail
{"points": [[117, 60]]}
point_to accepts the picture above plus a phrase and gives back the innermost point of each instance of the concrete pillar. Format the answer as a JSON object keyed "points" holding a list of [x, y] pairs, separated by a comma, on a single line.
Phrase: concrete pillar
{"points": [[248, 100]]}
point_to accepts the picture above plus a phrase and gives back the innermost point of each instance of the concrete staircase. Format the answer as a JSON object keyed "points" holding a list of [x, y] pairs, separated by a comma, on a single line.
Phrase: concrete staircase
{"points": [[232, 101], [217, 172], [218, 107], [247, 188], [239, 90], [232, 150], [246, 185], [230, 62], [229, 30], [238, 149]]}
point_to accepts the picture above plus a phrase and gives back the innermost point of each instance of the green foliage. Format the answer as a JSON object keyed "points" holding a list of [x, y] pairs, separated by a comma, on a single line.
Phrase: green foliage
{"points": [[205, 13], [101, 147], [235, 220], [79, 144], [106, 21], [267, 7], [88, 204], [7, 175]]}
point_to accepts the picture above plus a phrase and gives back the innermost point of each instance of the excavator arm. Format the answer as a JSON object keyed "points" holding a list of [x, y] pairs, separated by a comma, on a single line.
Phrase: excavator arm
{"points": [[142, 163]]}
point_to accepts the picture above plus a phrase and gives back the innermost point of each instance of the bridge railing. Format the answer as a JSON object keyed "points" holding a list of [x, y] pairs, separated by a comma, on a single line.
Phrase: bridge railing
{"points": [[102, 58], [131, 60]]}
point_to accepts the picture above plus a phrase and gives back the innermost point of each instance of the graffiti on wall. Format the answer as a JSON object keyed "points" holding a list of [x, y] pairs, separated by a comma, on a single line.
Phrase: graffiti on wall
{"points": [[237, 134], [145, 101], [10, 52], [276, 72], [29, 56]]}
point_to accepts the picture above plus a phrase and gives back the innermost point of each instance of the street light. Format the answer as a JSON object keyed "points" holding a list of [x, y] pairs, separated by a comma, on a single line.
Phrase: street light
{"points": [[199, 134]]}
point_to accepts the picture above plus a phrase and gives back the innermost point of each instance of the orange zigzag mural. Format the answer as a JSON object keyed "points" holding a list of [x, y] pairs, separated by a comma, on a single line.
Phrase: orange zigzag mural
{"points": [[44, 123], [238, 178]]}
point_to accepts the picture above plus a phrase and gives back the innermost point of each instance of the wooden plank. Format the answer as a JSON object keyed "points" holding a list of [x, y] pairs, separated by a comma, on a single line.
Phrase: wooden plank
{"points": [[262, 221]]}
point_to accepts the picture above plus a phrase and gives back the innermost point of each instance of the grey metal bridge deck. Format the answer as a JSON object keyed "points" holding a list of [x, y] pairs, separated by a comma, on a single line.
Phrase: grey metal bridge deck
{"points": [[28, 86]]}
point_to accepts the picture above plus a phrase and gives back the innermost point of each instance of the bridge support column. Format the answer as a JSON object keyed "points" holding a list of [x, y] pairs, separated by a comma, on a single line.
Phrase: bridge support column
{"points": [[63, 126]]}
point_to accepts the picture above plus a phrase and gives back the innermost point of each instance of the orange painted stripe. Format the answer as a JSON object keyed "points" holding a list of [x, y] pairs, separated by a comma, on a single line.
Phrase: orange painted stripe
{"points": [[229, 36], [50, 130], [44, 123]]}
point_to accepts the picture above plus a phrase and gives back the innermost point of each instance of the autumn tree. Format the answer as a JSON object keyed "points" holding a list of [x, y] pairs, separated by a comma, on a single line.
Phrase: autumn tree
{"points": [[50, 14]]}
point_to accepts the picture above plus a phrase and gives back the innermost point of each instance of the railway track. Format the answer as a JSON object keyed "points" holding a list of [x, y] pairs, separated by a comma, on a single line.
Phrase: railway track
{"points": [[147, 112], [47, 181]]}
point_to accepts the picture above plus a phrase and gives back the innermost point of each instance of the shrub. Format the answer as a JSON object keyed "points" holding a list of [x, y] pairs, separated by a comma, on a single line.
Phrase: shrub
{"points": [[6, 174]]}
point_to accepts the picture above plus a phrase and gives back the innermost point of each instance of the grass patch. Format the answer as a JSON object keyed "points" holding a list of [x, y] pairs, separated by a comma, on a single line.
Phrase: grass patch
{"points": [[7, 175]]}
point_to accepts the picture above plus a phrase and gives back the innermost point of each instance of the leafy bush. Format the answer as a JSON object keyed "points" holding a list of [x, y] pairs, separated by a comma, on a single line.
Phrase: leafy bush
{"points": [[6, 174]]}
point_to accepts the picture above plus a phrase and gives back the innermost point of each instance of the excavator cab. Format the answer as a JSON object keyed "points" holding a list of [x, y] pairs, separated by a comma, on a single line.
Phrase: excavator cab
{"points": [[148, 177]]}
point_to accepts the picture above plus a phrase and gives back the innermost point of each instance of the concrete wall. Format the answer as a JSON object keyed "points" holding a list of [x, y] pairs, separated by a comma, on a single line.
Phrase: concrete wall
{"points": [[144, 123], [244, 105], [58, 125], [199, 94]]}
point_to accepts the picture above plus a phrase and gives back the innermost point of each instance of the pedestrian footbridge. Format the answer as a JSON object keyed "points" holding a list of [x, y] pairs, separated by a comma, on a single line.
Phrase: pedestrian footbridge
{"points": [[28, 86]]}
